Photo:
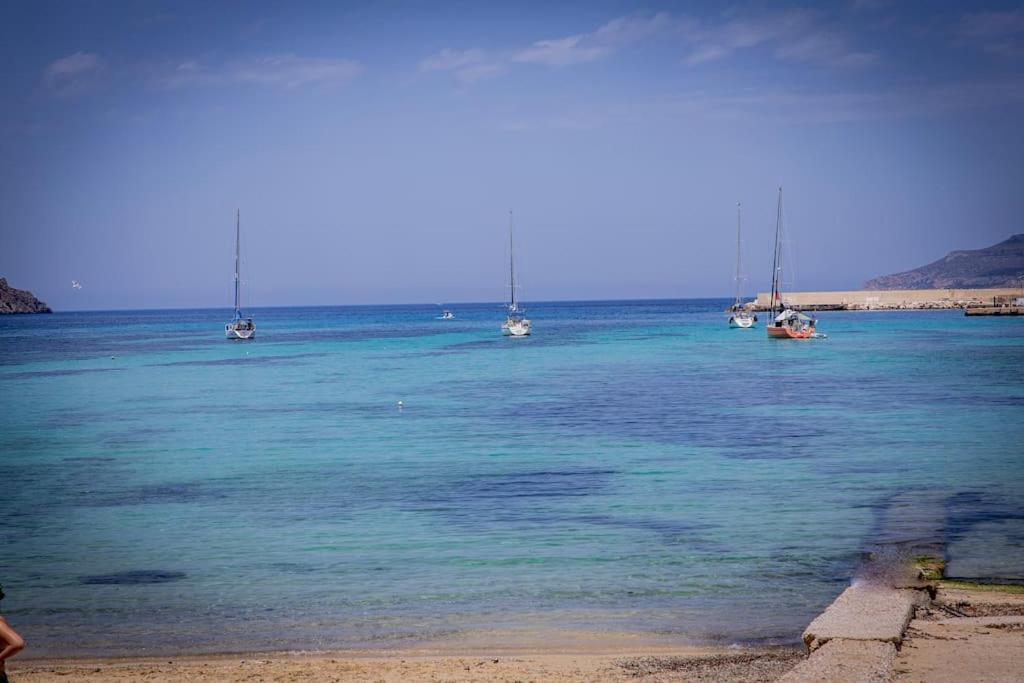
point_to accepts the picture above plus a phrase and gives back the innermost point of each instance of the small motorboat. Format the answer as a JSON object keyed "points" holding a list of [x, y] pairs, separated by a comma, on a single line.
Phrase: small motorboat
{"points": [[447, 315]]}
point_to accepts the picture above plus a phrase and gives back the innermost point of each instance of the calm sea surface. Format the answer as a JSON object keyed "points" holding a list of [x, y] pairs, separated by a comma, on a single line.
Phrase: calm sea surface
{"points": [[633, 466]]}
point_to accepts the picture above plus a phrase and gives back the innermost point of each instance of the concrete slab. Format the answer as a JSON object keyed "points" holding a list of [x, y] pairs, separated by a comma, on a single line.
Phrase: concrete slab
{"points": [[849, 661], [864, 612]]}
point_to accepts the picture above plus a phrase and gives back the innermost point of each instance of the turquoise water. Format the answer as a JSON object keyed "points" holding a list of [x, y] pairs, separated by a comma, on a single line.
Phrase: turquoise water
{"points": [[633, 466]]}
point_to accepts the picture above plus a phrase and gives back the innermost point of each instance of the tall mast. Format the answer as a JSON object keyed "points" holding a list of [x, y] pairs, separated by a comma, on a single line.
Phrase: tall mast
{"points": [[736, 303], [238, 274], [777, 258], [511, 266]]}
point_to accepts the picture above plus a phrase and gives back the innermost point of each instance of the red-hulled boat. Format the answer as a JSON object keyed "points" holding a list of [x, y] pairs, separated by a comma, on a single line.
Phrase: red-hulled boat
{"points": [[785, 322]]}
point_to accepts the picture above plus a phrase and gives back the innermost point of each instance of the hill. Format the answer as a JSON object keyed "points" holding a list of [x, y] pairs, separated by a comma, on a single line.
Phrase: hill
{"points": [[19, 300], [1000, 265]]}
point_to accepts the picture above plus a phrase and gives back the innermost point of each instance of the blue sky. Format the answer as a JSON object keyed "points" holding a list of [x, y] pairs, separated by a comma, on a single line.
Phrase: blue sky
{"points": [[375, 148]]}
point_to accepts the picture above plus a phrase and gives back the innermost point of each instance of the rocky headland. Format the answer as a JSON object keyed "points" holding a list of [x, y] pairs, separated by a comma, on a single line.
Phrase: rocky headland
{"points": [[1001, 265], [19, 300]]}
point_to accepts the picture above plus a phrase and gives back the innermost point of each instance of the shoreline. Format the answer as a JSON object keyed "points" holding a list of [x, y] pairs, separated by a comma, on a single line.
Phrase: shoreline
{"points": [[483, 656]]}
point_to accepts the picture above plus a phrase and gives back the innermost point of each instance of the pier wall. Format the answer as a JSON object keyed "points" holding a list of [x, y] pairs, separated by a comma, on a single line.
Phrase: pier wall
{"points": [[894, 299]]}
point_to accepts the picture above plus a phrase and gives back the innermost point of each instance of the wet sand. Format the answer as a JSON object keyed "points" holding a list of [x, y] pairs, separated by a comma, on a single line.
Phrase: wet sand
{"points": [[484, 656]]}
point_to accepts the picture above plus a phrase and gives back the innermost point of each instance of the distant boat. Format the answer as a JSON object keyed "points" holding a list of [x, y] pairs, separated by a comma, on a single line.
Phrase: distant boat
{"points": [[447, 315], [786, 322], [240, 327], [740, 316], [516, 324]]}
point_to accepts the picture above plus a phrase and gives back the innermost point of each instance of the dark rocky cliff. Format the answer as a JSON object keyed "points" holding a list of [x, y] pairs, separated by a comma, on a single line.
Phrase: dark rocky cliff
{"points": [[19, 300], [1000, 265]]}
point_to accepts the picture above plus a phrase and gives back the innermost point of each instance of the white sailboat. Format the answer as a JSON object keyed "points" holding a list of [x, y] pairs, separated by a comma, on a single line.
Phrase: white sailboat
{"points": [[740, 315], [240, 327], [516, 324]]}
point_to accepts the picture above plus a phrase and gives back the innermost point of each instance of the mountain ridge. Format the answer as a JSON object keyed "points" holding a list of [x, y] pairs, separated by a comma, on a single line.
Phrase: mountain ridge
{"points": [[1000, 265]]}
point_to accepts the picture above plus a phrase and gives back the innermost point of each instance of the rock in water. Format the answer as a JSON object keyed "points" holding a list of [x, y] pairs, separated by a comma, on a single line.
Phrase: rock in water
{"points": [[1000, 265], [19, 300]]}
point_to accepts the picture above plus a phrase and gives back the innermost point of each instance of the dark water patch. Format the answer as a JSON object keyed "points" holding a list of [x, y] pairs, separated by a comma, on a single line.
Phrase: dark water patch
{"points": [[509, 500], [89, 459], [241, 360], [359, 334], [38, 374], [697, 535], [136, 577], [142, 436], [968, 509], [540, 484], [157, 494]]}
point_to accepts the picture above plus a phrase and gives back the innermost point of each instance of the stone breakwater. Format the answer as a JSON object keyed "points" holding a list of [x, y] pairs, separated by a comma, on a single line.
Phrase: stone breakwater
{"points": [[895, 299], [917, 630], [19, 300]]}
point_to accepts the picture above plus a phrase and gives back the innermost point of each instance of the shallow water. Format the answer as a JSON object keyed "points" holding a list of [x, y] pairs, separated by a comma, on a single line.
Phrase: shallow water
{"points": [[634, 466]]}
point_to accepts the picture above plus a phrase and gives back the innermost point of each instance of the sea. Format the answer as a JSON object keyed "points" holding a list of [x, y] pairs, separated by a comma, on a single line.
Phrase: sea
{"points": [[375, 477]]}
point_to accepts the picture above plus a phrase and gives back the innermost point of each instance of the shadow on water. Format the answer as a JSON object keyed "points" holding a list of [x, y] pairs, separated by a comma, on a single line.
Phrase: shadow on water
{"points": [[132, 578]]}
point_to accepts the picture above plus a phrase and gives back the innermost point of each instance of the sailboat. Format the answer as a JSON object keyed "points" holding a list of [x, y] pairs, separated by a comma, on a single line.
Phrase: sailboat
{"points": [[739, 315], [516, 324], [786, 322], [240, 327]]}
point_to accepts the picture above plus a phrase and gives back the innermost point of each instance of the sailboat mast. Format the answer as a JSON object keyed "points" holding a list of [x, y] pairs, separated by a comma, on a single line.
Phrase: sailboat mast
{"points": [[777, 258], [511, 266], [238, 274], [736, 303]]}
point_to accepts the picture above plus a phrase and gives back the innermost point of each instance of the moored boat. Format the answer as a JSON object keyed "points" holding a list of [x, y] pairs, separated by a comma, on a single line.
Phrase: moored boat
{"points": [[241, 326], [740, 315], [786, 322], [516, 324]]}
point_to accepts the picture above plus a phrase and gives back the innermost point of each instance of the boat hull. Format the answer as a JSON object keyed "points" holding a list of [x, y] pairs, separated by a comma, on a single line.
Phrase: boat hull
{"points": [[741, 322], [516, 328], [785, 332], [240, 332]]}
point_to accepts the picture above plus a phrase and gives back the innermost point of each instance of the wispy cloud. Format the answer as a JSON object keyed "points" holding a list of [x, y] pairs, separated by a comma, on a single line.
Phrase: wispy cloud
{"points": [[74, 74], [468, 65], [588, 47], [792, 35], [807, 106], [282, 71], [998, 33], [476, 64]]}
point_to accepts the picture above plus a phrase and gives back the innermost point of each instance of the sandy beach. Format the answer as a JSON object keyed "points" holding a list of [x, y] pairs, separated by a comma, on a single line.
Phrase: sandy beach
{"points": [[494, 656], [966, 633]]}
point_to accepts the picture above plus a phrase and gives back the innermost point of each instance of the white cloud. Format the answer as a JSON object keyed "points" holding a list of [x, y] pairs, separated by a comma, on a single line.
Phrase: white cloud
{"points": [[282, 71], [73, 74]]}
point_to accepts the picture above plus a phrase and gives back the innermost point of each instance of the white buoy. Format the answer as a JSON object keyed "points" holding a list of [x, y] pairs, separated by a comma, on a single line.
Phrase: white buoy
{"points": [[401, 405]]}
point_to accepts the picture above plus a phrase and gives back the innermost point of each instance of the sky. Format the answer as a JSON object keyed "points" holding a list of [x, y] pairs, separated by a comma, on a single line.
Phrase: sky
{"points": [[374, 149]]}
